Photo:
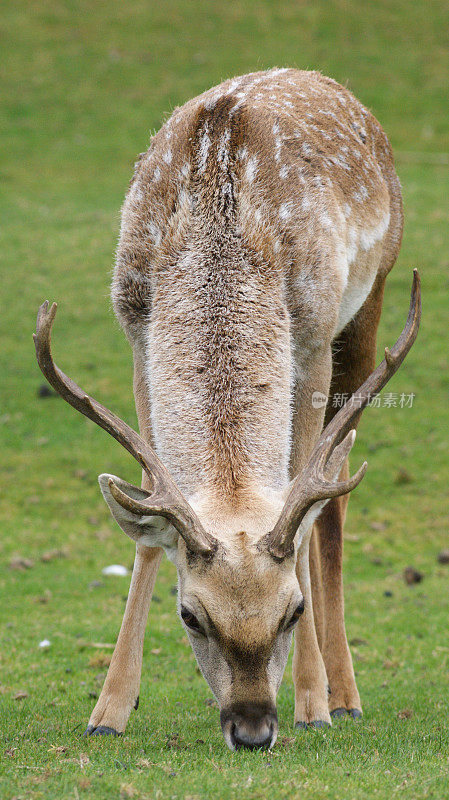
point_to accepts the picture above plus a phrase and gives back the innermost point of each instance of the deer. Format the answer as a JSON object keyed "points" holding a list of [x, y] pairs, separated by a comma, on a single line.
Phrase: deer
{"points": [[256, 237]]}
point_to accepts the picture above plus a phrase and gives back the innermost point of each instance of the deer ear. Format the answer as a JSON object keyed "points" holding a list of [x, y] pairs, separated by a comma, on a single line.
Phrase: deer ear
{"points": [[148, 530]]}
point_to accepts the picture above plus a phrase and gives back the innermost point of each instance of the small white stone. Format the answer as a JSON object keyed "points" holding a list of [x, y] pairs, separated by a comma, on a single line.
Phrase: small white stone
{"points": [[45, 643], [115, 569]]}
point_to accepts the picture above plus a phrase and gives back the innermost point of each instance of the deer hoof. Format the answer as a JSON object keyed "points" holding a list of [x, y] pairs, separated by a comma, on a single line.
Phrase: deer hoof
{"points": [[354, 713], [339, 712], [101, 730], [316, 723]]}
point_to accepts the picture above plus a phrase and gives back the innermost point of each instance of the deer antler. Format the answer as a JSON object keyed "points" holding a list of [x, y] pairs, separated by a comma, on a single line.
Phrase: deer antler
{"points": [[164, 499], [317, 480]]}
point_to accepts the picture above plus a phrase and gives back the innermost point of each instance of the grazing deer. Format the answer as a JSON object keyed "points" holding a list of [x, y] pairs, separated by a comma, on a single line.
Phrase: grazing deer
{"points": [[256, 237]]}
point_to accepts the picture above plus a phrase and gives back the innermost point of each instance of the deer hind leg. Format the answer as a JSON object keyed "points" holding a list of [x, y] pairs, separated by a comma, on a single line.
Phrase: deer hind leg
{"points": [[354, 361], [120, 693]]}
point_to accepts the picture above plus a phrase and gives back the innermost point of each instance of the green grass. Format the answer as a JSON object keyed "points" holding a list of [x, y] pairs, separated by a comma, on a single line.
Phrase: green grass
{"points": [[84, 84]]}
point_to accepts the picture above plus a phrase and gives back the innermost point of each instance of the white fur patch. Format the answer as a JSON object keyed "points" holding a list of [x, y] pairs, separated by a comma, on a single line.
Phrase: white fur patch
{"points": [[369, 237], [353, 298]]}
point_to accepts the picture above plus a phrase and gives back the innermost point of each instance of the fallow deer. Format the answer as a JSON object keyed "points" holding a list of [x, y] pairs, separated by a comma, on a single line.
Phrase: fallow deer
{"points": [[256, 237]]}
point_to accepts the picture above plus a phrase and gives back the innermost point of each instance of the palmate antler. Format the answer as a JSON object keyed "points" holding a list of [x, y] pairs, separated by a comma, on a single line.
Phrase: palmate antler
{"points": [[315, 482], [164, 499]]}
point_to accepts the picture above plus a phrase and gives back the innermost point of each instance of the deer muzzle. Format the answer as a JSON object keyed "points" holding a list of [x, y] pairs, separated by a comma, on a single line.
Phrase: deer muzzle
{"points": [[253, 726]]}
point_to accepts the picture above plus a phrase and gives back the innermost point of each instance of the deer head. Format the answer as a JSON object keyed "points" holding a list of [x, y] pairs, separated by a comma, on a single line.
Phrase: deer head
{"points": [[239, 597]]}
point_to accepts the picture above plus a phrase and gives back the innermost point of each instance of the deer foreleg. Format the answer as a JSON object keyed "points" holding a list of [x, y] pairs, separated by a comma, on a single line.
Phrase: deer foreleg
{"points": [[344, 698], [120, 693], [309, 672]]}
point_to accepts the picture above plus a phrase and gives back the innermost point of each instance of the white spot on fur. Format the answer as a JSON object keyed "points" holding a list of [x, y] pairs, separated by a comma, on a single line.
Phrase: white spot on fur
{"points": [[223, 152], [167, 157], [235, 83], [306, 203], [184, 198], [156, 175], [326, 220], [155, 232], [339, 161], [205, 143], [361, 194], [306, 150], [251, 169], [277, 141], [285, 211]]}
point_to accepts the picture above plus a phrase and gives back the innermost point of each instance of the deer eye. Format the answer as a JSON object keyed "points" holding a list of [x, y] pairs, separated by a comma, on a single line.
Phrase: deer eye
{"points": [[299, 610], [190, 620]]}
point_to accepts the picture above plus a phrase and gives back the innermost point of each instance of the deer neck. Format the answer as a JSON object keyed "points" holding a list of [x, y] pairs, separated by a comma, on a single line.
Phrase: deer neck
{"points": [[220, 374]]}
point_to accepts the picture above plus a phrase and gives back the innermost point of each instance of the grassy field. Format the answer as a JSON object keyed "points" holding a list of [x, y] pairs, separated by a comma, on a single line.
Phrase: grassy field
{"points": [[84, 84]]}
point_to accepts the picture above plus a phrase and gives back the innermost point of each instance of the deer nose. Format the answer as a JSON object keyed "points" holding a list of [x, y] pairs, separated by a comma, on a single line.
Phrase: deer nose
{"points": [[250, 739], [253, 727]]}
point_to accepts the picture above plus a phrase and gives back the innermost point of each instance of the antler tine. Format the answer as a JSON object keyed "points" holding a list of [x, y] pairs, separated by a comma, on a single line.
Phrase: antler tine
{"points": [[328, 454], [165, 498]]}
